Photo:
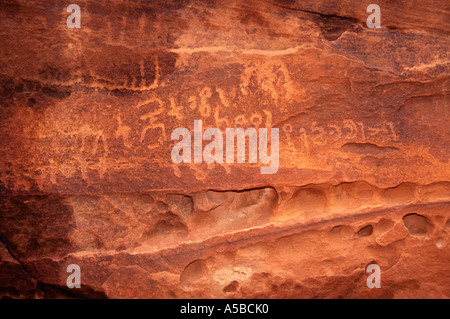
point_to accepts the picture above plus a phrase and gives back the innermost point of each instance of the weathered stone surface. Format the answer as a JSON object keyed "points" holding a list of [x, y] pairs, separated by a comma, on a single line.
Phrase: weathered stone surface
{"points": [[87, 178]]}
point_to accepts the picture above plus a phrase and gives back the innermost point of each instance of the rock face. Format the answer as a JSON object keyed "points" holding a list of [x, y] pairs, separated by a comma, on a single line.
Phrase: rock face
{"points": [[87, 177]]}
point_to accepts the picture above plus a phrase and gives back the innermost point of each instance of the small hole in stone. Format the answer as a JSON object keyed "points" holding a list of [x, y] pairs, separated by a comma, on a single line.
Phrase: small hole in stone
{"points": [[366, 231], [417, 224], [31, 102], [232, 287]]}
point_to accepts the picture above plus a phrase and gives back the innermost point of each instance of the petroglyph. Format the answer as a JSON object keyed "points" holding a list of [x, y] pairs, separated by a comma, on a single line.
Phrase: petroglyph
{"points": [[346, 130], [123, 131], [153, 122]]}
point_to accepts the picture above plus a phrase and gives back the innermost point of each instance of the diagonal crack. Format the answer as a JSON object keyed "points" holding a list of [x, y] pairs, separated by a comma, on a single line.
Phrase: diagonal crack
{"points": [[13, 256]]}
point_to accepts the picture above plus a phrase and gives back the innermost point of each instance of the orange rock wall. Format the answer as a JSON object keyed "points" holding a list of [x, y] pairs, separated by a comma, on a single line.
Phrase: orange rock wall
{"points": [[86, 175]]}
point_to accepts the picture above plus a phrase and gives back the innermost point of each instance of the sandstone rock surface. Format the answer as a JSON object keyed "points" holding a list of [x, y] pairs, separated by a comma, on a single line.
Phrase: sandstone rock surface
{"points": [[86, 175]]}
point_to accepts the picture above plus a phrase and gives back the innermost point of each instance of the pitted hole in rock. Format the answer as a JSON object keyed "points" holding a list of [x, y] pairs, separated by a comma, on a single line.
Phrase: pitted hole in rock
{"points": [[307, 200], [31, 102], [366, 231], [332, 27], [232, 287], [342, 232], [401, 194], [336, 230], [417, 224], [435, 192], [193, 272]]}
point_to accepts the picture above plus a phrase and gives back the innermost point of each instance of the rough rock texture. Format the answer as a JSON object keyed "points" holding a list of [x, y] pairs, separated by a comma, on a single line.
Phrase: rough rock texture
{"points": [[86, 175]]}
